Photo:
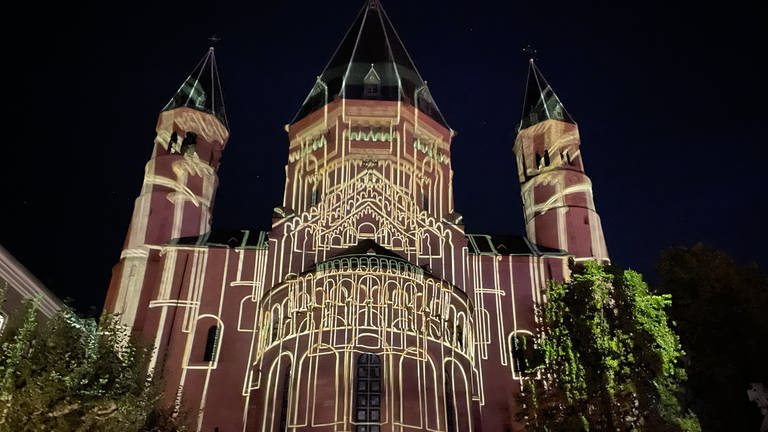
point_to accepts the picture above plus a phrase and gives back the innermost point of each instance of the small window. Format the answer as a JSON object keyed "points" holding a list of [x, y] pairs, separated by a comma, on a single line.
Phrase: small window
{"points": [[525, 357], [275, 327], [315, 195], [211, 343], [460, 336], [189, 142], [371, 84]]}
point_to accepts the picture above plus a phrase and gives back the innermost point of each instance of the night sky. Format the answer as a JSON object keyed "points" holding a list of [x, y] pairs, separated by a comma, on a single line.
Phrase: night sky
{"points": [[669, 99]]}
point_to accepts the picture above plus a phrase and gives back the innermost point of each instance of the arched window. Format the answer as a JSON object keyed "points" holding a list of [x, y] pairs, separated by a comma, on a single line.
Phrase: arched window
{"points": [[284, 404], [450, 413], [460, 336], [368, 393], [275, 326], [525, 357], [210, 343]]}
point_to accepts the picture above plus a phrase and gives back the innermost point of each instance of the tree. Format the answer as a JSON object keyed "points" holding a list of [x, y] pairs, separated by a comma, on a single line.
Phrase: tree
{"points": [[76, 374], [610, 357], [720, 310]]}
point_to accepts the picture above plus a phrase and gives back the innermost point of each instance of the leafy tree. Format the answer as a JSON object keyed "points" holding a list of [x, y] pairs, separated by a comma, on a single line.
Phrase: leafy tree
{"points": [[610, 357], [76, 374], [720, 309]]}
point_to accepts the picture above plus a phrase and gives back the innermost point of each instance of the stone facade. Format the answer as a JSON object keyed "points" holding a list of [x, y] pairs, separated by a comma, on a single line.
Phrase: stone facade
{"points": [[365, 306]]}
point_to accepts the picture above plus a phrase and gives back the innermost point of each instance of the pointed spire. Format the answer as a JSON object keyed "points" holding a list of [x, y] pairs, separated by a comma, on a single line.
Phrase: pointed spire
{"points": [[371, 48], [202, 90], [541, 103]]}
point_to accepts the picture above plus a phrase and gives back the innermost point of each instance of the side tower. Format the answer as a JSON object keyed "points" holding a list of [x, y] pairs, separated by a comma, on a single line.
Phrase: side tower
{"points": [[179, 182], [557, 194]]}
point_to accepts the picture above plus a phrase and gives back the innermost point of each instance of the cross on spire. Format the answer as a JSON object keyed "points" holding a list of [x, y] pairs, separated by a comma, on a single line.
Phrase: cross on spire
{"points": [[530, 52]]}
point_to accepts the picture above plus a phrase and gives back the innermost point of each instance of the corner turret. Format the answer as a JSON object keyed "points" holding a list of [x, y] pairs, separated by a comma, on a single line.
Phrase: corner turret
{"points": [[557, 194], [180, 181]]}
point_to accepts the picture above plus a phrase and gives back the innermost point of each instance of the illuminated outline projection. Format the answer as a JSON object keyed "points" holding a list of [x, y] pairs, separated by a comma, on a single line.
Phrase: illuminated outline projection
{"points": [[365, 307]]}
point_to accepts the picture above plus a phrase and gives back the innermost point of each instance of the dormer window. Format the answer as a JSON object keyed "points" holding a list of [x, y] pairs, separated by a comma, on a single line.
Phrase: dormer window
{"points": [[371, 84]]}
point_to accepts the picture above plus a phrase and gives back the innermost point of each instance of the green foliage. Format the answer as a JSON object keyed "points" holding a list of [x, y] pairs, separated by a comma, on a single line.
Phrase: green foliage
{"points": [[611, 358], [75, 374], [719, 308]]}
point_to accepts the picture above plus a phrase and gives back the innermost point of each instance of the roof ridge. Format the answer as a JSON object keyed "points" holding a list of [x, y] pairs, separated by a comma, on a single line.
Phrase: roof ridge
{"points": [[371, 42], [201, 90], [540, 101]]}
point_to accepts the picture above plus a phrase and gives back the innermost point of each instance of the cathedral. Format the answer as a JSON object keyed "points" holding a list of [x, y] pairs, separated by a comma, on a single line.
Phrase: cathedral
{"points": [[366, 306]]}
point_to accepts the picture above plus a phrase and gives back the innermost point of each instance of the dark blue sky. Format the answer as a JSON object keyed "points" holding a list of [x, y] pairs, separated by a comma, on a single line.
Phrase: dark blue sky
{"points": [[669, 98]]}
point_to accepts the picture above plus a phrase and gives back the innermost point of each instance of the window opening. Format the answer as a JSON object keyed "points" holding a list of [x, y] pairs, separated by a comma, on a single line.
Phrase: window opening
{"points": [[368, 393], [284, 405], [450, 416], [189, 142], [525, 357], [211, 342], [460, 336], [275, 327]]}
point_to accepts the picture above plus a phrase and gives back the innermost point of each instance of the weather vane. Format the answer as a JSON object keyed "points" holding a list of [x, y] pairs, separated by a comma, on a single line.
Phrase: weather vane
{"points": [[214, 39], [530, 52]]}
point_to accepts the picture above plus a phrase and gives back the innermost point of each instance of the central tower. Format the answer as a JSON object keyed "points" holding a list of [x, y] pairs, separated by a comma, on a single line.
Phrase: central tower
{"points": [[365, 288], [369, 154]]}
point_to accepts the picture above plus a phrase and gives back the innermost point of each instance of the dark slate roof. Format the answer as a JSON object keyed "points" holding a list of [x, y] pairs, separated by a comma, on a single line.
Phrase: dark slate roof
{"points": [[504, 244], [226, 238], [202, 90], [372, 54], [540, 102], [367, 247]]}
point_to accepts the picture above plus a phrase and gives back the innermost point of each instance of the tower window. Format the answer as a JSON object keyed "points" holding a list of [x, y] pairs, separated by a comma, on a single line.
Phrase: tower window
{"points": [[172, 143], [460, 336], [275, 327], [211, 343], [546, 157], [316, 194], [368, 393], [189, 142]]}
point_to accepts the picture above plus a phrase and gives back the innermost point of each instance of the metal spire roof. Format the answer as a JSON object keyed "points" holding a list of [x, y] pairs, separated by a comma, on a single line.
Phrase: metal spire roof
{"points": [[371, 63], [202, 90], [541, 103]]}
